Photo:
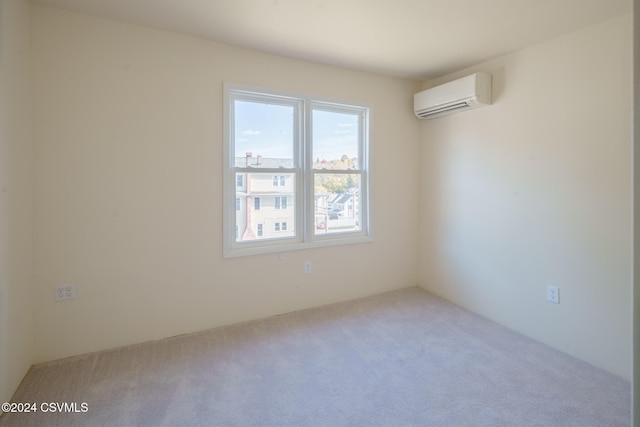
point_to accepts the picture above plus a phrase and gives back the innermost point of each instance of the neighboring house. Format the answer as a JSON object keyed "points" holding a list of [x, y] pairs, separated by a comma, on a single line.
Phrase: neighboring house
{"points": [[265, 205], [337, 211]]}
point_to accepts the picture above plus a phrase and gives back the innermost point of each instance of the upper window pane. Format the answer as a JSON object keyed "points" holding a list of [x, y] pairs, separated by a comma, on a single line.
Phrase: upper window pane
{"points": [[264, 134], [335, 140]]}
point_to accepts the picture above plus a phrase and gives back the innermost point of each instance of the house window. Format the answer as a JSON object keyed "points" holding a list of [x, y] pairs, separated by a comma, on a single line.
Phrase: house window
{"points": [[280, 226], [310, 155], [237, 203], [280, 202]]}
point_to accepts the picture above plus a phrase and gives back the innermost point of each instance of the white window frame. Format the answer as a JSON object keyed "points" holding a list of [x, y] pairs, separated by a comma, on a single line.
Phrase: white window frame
{"points": [[304, 198]]}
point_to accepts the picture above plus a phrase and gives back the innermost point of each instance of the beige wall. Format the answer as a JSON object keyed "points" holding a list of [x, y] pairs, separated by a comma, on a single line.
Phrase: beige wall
{"points": [[16, 280], [536, 190], [636, 216], [128, 146]]}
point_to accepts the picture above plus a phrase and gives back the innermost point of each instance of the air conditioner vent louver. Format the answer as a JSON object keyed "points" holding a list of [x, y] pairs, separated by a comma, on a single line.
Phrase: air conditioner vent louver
{"points": [[443, 109], [469, 92]]}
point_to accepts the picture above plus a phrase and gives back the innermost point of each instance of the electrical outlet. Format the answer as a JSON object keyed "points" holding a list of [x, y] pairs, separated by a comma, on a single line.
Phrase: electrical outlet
{"points": [[307, 267], [64, 292], [553, 294]]}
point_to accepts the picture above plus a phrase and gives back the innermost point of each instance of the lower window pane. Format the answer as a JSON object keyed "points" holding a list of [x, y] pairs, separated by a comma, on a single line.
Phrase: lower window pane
{"points": [[337, 203], [265, 208]]}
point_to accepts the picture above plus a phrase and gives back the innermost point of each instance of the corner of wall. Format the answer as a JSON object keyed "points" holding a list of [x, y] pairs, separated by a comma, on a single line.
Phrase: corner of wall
{"points": [[16, 194]]}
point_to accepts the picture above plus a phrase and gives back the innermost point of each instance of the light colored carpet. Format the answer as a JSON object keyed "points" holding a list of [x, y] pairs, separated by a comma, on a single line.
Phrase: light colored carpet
{"points": [[405, 358]]}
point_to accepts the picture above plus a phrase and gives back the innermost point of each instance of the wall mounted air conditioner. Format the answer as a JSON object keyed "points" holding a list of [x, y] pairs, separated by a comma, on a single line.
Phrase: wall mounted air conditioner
{"points": [[469, 92]]}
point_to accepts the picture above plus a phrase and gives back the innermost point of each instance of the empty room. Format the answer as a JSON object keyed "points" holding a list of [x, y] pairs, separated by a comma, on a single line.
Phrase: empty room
{"points": [[316, 213]]}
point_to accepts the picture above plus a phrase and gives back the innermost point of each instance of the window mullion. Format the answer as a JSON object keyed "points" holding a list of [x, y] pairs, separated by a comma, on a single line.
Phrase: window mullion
{"points": [[309, 178]]}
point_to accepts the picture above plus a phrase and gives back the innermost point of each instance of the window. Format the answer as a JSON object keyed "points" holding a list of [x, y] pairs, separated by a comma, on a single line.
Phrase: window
{"points": [[310, 156], [280, 226], [280, 202]]}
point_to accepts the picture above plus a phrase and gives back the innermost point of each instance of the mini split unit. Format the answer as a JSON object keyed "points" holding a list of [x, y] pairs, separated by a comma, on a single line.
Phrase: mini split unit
{"points": [[469, 92]]}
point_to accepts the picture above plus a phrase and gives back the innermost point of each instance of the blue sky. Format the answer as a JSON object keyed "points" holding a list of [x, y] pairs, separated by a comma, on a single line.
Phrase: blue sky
{"points": [[267, 129]]}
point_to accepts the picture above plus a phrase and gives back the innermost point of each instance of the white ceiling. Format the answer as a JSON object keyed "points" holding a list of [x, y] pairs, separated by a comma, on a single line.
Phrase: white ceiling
{"points": [[417, 39]]}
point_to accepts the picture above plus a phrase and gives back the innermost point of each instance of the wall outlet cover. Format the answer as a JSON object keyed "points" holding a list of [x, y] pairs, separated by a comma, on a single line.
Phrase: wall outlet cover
{"points": [[553, 294], [64, 292]]}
